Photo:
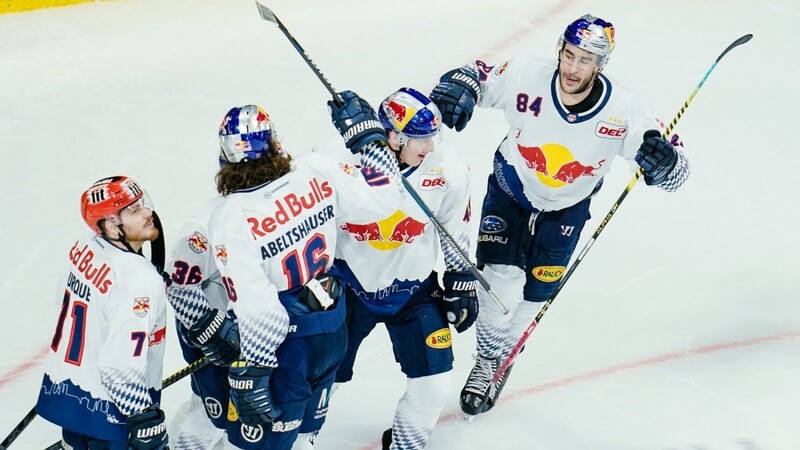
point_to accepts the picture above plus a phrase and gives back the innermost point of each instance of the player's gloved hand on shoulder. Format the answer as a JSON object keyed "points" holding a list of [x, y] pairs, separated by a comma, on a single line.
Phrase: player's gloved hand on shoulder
{"points": [[250, 393], [356, 121], [460, 298], [456, 95], [217, 336], [147, 431], [657, 157]]}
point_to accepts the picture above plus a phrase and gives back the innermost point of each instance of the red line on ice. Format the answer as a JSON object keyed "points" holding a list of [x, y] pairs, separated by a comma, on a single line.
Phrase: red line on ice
{"points": [[612, 370]]}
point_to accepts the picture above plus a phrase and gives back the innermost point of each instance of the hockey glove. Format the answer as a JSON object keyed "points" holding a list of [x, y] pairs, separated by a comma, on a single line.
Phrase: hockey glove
{"points": [[356, 121], [217, 336], [657, 157], [456, 95], [147, 431], [250, 393], [460, 298]]}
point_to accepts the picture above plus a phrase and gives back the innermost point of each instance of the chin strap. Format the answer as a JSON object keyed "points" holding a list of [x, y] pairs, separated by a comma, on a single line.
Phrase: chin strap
{"points": [[157, 248]]}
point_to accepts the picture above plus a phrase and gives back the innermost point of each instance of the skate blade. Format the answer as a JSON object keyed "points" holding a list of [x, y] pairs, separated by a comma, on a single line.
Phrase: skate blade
{"points": [[469, 417]]}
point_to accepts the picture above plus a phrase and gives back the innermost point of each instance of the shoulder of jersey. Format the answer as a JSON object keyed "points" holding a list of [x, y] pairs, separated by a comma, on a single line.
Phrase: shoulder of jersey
{"points": [[335, 148]]}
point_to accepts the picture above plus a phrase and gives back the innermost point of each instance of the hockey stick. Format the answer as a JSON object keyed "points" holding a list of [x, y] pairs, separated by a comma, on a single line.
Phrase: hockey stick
{"points": [[170, 380], [269, 16], [527, 334]]}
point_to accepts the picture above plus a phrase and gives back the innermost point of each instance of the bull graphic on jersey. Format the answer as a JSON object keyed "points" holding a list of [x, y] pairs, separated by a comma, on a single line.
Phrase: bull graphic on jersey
{"points": [[389, 233], [568, 169]]}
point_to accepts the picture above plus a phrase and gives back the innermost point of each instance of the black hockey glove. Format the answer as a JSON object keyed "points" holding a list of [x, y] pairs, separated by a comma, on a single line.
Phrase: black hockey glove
{"points": [[250, 393], [460, 299], [657, 157], [456, 95], [217, 336], [147, 431], [356, 121]]}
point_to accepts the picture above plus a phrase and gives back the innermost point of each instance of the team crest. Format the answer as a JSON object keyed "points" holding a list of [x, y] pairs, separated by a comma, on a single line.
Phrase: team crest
{"points": [[141, 305], [499, 71], [198, 243], [221, 254], [348, 169]]}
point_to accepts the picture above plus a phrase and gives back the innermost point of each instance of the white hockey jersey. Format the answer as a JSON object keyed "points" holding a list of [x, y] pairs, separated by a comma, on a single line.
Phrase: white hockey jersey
{"points": [[108, 347], [196, 284], [386, 260], [551, 158], [271, 240]]}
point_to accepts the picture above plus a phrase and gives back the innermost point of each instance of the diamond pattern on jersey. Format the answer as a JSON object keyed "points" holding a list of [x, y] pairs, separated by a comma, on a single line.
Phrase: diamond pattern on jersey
{"points": [[189, 302], [262, 335], [127, 388]]}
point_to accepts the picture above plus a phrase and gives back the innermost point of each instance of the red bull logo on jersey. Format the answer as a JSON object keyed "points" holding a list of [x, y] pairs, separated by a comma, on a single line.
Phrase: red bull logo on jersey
{"points": [[97, 276], [158, 336], [141, 305], [555, 166], [439, 339], [197, 243], [291, 206], [221, 254], [548, 274], [389, 233]]}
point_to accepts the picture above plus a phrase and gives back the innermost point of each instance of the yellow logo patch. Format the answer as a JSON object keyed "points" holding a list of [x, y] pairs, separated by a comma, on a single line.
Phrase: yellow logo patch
{"points": [[548, 274], [233, 416], [439, 339]]}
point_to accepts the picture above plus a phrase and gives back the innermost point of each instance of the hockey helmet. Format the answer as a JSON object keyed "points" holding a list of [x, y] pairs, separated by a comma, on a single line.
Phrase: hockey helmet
{"points": [[245, 134], [411, 114], [107, 197], [592, 34]]}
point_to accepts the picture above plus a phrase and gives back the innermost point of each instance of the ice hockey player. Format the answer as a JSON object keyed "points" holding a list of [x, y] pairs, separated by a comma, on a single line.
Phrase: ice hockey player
{"points": [[567, 122], [389, 268], [205, 329], [102, 381], [273, 239]]}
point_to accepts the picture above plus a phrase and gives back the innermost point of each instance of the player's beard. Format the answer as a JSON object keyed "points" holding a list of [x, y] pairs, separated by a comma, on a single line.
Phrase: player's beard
{"points": [[148, 233], [582, 87]]}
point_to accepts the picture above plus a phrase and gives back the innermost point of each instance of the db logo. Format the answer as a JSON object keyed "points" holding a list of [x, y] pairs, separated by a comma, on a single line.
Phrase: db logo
{"points": [[607, 130], [429, 182]]}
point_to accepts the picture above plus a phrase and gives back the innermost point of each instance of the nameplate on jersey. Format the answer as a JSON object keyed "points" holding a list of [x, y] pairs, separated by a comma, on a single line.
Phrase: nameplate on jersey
{"points": [[610, 130]]}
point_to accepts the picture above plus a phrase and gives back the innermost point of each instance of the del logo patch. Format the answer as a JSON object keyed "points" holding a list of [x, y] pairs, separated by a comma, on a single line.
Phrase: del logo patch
{"points": [[428, 182], [548, 274], [439, 338], [610, 131]]}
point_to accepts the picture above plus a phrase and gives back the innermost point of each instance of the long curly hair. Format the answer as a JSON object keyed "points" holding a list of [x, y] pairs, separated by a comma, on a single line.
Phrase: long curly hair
{"points": [[244, 175]]}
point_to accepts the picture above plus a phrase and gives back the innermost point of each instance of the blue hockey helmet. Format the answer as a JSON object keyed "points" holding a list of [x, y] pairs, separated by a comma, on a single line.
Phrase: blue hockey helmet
{"points": [[592, 34], [245, 134], [411, 114]]}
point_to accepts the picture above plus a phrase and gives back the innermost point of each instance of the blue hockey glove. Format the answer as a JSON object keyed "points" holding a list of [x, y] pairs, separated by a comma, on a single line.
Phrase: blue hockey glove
{"points": [[657, 157], [217, 336], [460, 298], [147, 431], [456, 95], [250, 393], [356, 121]]}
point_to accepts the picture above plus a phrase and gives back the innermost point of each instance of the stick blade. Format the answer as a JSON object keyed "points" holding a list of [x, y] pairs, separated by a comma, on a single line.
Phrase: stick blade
{"points": [[266, 13]]}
